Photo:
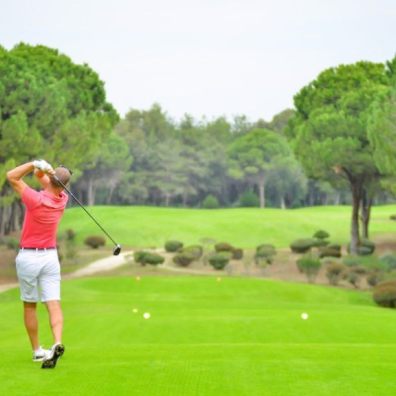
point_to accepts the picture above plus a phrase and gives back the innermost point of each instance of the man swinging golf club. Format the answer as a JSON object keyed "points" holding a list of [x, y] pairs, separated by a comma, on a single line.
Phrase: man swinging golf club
{"points": [[37, 262]]}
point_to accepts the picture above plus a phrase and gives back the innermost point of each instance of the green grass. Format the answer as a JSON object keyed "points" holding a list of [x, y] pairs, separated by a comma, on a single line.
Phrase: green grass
{"points": [[235, 337], [152, 226]]}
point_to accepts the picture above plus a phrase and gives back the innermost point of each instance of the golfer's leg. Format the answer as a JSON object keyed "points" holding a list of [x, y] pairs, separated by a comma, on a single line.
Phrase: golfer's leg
{"points": [[31, 323], [56, 319], [50, 292]]}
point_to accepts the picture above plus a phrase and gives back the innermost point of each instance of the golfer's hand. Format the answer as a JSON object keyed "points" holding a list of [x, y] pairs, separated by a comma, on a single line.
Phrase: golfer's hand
{"points": [[43, 166]]}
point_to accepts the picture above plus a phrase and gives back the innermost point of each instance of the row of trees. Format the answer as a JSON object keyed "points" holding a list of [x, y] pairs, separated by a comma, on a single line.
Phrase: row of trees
{"points": [[341, 136]]}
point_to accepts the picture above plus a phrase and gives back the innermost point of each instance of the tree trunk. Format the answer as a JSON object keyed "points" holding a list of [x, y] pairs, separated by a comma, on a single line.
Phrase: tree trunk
{"points": [[90, 192], [282, 202], [356, 200], [365, 214], [261, 188]]}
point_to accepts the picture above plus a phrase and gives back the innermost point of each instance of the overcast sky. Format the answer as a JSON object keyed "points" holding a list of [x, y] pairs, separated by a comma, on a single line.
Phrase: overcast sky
{"points": [[206, 57]]}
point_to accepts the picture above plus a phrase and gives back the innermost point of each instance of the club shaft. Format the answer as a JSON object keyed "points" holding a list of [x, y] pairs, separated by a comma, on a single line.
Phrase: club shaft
{"points": [[86, 211]]}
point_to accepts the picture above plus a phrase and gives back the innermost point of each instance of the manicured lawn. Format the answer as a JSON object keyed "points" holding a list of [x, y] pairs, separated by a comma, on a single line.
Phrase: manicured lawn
{"points": [[151, 226], [238, 336]]}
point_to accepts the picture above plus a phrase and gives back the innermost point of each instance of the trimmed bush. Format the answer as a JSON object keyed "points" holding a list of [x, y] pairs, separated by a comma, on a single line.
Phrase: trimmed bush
{"points": [[373, 278], [384, 294], [302, 245], [223, 247], [327, 251], [144, 258], [237, 254], [195, 250], [173, 246], [210, 202], [249, 199], [183, 259], [309, 264], [264, 254], [219, 260], [334, 272], [321, 234], [95, 241], [389, 261]]}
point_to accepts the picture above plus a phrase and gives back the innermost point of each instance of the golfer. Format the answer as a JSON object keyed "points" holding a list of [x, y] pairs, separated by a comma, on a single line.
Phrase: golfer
{"points": [[37, 262]]}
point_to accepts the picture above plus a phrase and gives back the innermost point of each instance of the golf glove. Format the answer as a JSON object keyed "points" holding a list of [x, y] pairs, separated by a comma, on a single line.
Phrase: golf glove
{"points": [[42, 165]]}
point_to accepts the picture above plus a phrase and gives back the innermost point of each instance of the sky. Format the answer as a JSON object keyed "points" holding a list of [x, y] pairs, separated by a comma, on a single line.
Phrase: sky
{"points": [[209, 57]]}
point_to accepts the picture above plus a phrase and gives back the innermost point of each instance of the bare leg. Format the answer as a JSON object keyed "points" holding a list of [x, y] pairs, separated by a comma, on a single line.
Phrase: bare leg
{"points": [[56, 319], [31, 323]]}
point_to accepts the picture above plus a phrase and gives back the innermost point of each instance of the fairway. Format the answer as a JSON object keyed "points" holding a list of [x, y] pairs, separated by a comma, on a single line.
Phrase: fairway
{"points": [[136, 226], [237, 336]]}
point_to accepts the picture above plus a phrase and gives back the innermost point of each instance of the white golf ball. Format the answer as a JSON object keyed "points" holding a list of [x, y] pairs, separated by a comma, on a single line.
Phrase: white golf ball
{"points": [[304, 316], [146, 315]]}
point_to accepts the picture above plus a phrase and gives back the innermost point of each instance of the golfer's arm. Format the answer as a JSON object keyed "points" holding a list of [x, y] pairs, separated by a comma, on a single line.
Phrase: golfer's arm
{"points": [[15, 176], [43, 178]]}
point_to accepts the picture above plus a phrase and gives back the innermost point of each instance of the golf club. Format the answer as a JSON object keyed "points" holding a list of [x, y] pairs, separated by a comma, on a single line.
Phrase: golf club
{"points": [[117, 248]]}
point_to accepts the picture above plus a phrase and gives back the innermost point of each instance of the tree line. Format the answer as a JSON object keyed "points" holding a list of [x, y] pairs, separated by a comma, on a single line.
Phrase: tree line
{"points": [[336, 147]]}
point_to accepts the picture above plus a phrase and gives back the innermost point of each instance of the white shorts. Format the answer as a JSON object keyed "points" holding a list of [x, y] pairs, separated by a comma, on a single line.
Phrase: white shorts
{"points": [[38, 270]]}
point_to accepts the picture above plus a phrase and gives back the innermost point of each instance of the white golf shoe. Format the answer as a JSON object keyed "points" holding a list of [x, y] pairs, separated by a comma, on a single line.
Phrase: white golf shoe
{"points": [[40, 354]]}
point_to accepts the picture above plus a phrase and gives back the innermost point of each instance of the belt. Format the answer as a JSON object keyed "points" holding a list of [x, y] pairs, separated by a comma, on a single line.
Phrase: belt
{"points": [[37, 249]]}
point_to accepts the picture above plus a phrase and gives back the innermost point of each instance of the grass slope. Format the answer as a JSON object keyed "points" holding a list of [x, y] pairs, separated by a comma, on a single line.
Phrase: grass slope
{"points": [[151, 226], [235, 337]]}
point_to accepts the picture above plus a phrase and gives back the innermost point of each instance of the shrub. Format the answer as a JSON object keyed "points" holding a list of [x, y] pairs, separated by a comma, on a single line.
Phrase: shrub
{"points": [[249, 199], [70, 235], [219, 260], [354, 274], [184, 259], [173, 246], [309, 264], [223, 247], [389, 261], [237, 254], [328, 251], [320, 242], [302, 245], [384, 294], [95, 241], [334, 272], [321, 234], [373, 278], [12, 243], [210, 202], [264, 254], [144, 258], [195, 250]]}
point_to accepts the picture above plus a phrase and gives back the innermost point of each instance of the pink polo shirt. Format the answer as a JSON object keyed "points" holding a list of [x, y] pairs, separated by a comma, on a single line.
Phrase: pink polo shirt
{"points": [[43, 213]]}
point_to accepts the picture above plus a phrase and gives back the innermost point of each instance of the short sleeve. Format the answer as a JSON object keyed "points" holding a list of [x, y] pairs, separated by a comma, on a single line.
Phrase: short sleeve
{"points": [[31, 198]]}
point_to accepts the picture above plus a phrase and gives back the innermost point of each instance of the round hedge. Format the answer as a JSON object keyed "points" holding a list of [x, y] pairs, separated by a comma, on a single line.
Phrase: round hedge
{"points": [[309, 264], [334, 272], [321, 234], [193, 250], [384, 294], [219, 260], [302, 245], [144, 258], [173, 246], [183, 259], [223, 247]]}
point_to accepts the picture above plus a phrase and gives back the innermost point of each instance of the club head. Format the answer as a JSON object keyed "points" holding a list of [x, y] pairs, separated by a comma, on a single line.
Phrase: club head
{"points": [[117, 250]]}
